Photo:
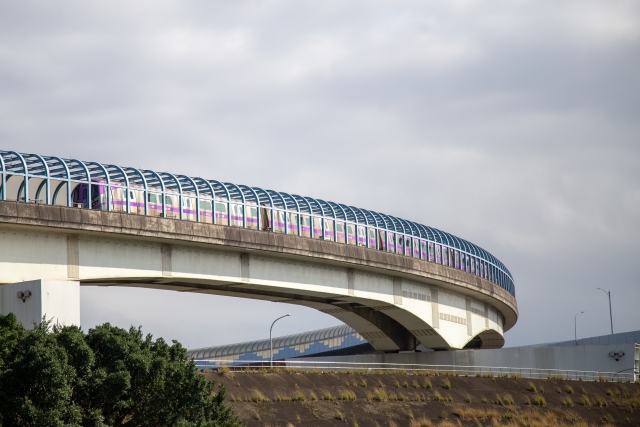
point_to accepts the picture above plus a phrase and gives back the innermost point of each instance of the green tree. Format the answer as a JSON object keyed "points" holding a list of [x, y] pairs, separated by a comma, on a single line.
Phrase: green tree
{"points": [[60, 376]]}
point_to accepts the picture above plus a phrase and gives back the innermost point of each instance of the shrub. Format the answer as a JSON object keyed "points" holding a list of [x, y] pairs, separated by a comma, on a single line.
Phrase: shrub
{"points": [[569, 389], [567, 402], [347, 395], [298, 396], [446, 384], [468, 399], [532, 387], [378, 395], [539, 400], [585, 401], [256, 396], [438, 397], [327, 396], [427, 384], [339, 416], [505, 400], [313, 396], [415, 384], [584, 391], [363, 382]]}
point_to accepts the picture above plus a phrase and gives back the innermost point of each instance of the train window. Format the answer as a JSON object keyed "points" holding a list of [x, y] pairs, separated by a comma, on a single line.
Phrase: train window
{"points": [[151, 198], [205, 205], [168, 201]]}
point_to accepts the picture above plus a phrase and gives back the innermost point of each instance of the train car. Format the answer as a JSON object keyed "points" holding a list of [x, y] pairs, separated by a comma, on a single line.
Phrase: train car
{"points": [[232, 212]]}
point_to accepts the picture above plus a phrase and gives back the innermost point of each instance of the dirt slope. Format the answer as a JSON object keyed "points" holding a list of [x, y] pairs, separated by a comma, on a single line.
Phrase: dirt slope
{"points": [[286, 399]]}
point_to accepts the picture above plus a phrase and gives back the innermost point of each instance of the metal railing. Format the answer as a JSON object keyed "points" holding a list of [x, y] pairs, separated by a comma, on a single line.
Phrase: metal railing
{"points": [[415, 369]]}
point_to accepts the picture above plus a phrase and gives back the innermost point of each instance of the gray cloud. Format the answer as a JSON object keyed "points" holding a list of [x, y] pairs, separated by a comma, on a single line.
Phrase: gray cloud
{"points": [[511, 124]]}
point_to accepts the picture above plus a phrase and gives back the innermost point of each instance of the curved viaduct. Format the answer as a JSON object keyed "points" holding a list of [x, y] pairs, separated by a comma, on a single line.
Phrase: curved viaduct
{"points": [[392, 300]]}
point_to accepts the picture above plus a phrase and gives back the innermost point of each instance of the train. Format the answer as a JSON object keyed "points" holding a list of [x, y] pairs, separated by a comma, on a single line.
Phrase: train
{"points": [[247, 214]]}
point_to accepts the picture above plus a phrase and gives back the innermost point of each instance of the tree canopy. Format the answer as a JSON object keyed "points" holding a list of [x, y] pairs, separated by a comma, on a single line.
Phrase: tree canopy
{"points": [[62, 376]]}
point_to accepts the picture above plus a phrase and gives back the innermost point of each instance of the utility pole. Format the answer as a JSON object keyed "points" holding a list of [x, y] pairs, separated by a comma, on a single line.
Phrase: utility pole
{"points": [[271, 341], [610, 312]]}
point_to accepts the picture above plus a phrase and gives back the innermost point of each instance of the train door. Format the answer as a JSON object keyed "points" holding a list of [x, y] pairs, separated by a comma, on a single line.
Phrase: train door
{"points": [[438, 254], [456, 255], [340, 232], [171, 206], [416, 247], [351, 234], [317, 227], [382, 239], [362, 236], [305, 221], [222, 213], [188, 208], [400, 244], [430, 248], [278, 221], [292, 223], [251, 212], [154, 202], [266, 221], [206, 213], [236, 216], [373, 242], [391, 242], [423, 249], [328, 229]]}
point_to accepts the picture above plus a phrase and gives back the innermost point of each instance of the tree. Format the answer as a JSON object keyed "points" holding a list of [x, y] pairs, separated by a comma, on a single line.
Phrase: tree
{"points": [[60, 376]]}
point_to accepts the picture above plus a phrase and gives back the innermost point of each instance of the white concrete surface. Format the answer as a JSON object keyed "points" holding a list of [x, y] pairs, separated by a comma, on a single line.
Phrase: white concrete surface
{"points": [[58, 300]]}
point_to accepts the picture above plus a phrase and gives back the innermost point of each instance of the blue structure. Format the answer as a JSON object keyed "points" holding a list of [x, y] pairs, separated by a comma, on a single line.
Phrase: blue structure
{"points": [[52, 180], [632, 337], [335, 341]]}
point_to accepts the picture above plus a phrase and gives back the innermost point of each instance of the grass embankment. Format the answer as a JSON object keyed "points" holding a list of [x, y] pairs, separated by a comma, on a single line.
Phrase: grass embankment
{"points": [[290, 398]]}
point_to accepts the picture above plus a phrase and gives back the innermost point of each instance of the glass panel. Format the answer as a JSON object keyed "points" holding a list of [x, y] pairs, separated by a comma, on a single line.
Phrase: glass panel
{"points": [[416, 247], [432, 254], [423, 249], [457, 259]]}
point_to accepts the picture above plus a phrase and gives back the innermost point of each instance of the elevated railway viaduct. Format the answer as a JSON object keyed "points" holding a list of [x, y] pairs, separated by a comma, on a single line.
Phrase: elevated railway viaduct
{"points": [[392, 300]]}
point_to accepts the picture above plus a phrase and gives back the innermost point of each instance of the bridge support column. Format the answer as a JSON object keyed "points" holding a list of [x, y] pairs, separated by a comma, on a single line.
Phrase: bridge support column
{"points": [[58, 300]]}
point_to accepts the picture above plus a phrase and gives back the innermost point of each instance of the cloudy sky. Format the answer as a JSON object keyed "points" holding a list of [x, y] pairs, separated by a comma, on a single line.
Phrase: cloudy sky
{"points": [[513, 124]]}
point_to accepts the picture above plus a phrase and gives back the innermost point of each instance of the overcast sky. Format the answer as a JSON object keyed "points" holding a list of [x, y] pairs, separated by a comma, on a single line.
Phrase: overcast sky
{"points": [[512, 124]]}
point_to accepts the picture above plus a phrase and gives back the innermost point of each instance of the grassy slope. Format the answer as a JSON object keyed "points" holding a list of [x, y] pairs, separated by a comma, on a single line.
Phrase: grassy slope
{"points": [[287, 399]]}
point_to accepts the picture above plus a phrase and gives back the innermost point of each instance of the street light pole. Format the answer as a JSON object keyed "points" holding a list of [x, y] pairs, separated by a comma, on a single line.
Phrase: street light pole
{"points": [[610, 312], [575, 327], [271, 341]]}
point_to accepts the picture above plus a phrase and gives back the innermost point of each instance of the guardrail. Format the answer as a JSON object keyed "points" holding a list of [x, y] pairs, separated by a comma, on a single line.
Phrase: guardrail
{"points": [[416, 369]]}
